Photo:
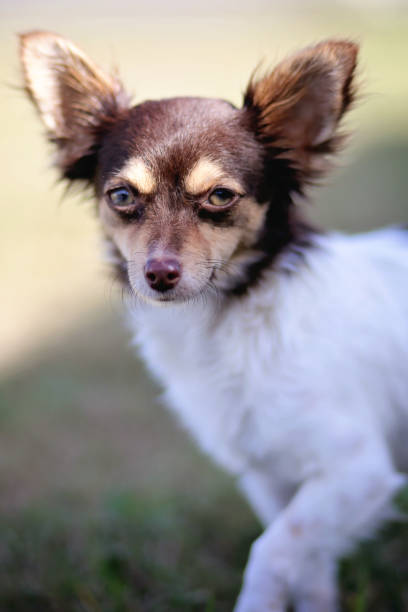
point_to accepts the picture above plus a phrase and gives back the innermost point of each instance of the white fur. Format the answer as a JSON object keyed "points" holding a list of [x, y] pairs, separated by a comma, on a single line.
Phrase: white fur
{"points": [[300, 389]]}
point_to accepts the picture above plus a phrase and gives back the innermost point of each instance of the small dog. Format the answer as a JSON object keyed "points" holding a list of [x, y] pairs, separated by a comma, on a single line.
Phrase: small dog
{"points": [[284, 350]]}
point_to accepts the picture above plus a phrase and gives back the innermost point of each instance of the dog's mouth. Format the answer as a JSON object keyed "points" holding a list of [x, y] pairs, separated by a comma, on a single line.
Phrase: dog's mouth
{"points": [[173, 298], [206, 280], [184, 291], [170, 280]]}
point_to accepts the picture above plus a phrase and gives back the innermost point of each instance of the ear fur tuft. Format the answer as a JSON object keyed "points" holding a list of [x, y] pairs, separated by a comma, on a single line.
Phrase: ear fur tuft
{"points": [[76, 100], [297, 107]]}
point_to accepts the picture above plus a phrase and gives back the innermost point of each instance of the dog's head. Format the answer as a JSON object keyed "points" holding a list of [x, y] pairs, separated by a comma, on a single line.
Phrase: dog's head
{"points": [[194, 194]]}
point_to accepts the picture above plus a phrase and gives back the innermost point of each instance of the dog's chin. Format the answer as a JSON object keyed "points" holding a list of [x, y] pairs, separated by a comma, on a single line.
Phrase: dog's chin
{"points": [[172, 297]]}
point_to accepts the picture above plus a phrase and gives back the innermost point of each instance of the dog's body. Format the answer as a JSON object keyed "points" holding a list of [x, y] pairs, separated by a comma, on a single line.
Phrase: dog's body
{"points": [[255, 398], [283, 350], [287, 401]]}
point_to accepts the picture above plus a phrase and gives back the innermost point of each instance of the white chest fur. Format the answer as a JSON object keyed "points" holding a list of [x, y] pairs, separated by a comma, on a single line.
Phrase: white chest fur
{"points": [[295, 374]]}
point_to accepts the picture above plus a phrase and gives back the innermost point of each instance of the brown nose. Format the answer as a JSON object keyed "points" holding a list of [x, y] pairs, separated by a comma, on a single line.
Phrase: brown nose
{"points": [[162, 274]]}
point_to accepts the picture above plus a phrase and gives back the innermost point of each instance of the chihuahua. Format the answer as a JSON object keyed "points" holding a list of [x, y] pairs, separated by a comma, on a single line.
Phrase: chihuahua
{"points": [[283, 349]]}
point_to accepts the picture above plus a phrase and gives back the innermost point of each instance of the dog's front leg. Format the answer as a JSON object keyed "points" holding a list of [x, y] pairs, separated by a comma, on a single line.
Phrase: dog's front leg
{"points": [[295, 558], [266, 496]]}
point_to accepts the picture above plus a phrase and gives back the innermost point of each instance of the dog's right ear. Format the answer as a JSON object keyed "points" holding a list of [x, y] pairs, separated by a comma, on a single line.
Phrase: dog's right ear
{"points": [[77, 101]]}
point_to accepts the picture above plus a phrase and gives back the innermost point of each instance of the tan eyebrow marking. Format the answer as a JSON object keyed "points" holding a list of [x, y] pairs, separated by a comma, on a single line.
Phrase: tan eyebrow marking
{"points": [[139, 174], [202, 175], [205, 174]]}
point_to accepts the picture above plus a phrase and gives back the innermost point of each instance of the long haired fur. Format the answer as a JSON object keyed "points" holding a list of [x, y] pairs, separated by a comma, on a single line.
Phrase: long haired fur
{"points": [[282, 349]]}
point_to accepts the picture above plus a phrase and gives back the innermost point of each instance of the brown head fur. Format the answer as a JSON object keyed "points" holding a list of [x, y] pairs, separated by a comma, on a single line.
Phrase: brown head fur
{"points": [[169, 161]]}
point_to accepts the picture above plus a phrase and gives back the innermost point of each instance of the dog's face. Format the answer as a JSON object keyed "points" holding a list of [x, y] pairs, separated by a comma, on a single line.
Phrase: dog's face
{"points": [[180, 203], [194, 194]]}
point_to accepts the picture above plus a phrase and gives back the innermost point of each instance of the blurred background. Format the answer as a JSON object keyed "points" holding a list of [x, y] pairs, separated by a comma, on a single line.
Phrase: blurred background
{"points": [[105, 503]]}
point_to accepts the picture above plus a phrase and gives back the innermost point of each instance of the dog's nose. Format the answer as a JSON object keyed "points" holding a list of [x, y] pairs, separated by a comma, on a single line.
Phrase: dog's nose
{"points": [[162, 274]]}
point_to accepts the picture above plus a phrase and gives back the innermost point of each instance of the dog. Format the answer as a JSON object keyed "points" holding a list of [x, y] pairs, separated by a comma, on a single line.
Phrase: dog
{"points": [[283, 349]]}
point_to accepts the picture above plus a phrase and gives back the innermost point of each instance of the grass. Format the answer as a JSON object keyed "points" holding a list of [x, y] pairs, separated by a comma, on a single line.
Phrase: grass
{"points": [[106, 506], [149, 556], [168, 554]]}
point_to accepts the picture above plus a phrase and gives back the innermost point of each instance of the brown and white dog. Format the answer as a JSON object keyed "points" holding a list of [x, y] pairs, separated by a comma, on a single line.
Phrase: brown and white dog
{"points": [[283, 350]]}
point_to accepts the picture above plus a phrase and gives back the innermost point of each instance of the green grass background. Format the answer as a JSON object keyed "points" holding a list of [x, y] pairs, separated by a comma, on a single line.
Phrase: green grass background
{"points": [[105, 504]]}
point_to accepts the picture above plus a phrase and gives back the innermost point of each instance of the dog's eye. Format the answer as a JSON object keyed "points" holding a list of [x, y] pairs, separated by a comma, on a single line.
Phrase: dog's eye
{"points": [[121, 197], [221, 197]]}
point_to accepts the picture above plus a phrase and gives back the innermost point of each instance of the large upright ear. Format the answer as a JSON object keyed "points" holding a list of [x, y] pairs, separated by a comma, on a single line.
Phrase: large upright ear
{"points": [[296, 108], [76, 100]]}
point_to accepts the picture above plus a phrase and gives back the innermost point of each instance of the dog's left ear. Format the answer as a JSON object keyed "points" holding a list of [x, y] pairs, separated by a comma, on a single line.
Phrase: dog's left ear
{"points": [[296, 109], [76, 100]]}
